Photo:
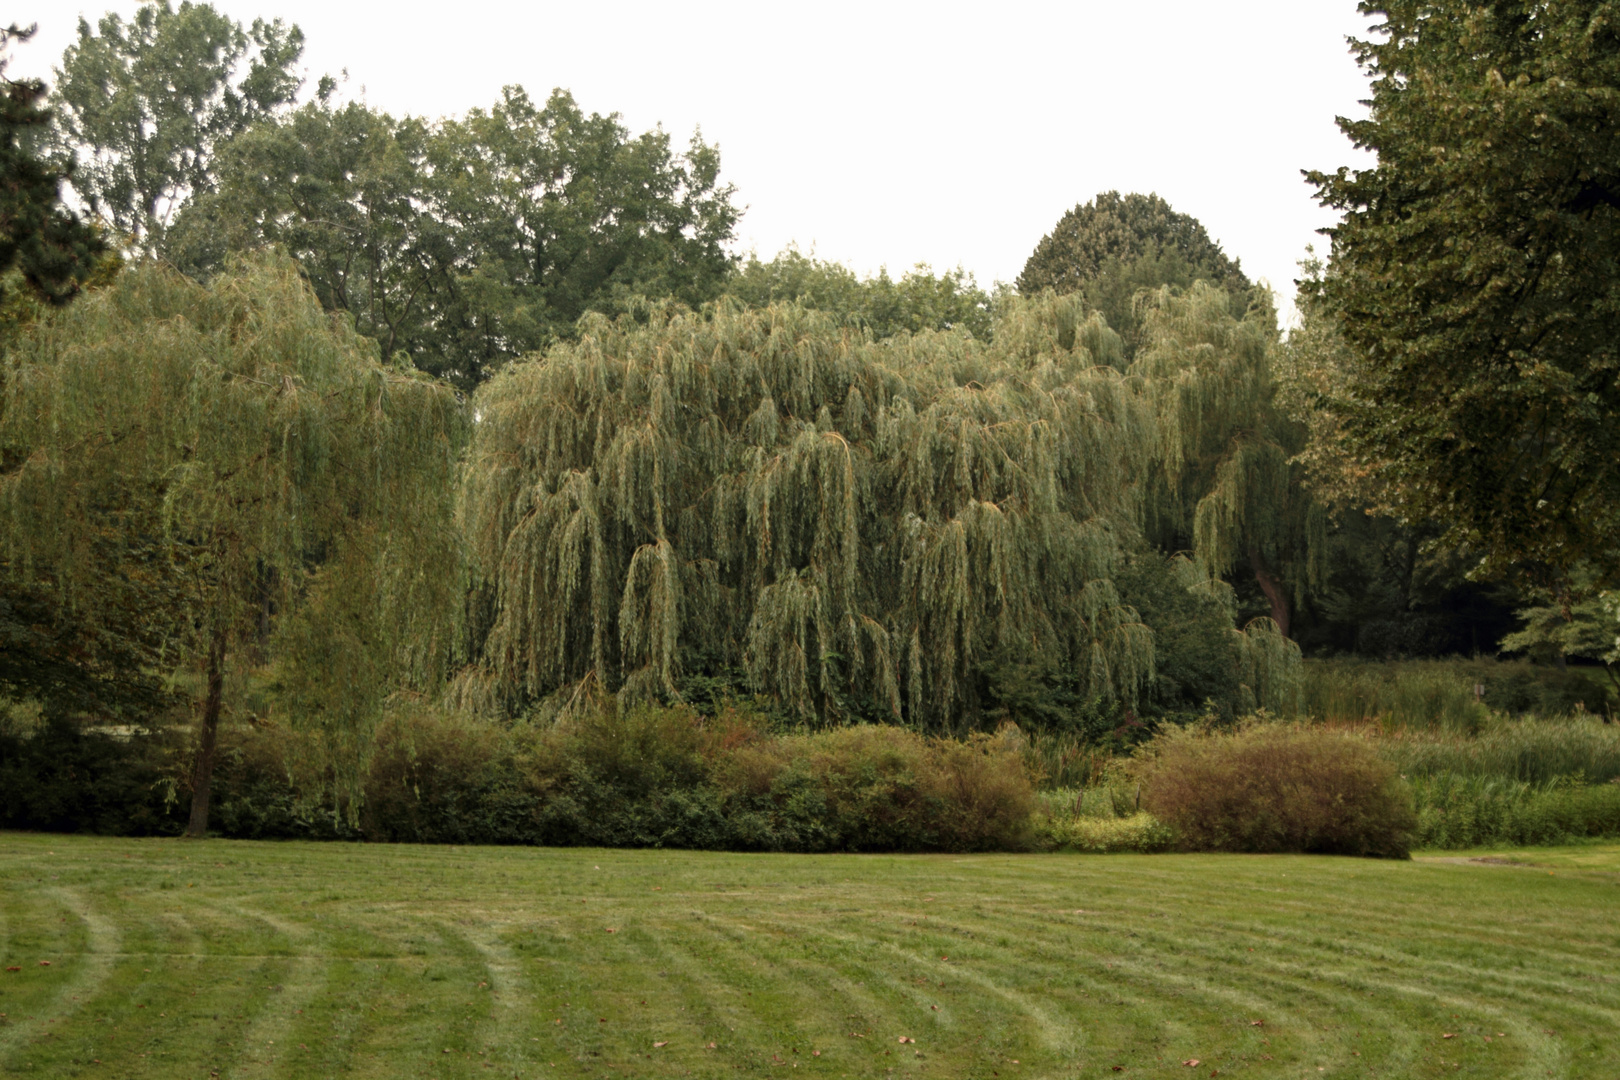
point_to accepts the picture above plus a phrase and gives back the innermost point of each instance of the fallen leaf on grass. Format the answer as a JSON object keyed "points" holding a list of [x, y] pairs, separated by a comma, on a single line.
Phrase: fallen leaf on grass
{"points": [[1191, 1063], [658, 1044], [934, 1007], [711, 1046], [612, 929], [15, 968], [1448, 1035], [1257, 1023], [44, 963], [815, 1053], [907, 1038], [855, 1036]]}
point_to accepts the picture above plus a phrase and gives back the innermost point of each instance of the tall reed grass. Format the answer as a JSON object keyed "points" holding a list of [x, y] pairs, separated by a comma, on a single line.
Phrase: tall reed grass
{"points": [[1462, 811], [1455, 695], [1064, 760], [1531, 751]]}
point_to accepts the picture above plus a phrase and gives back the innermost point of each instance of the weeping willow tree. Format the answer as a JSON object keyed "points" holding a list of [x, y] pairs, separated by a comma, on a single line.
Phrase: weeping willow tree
{"points": [[855, 524], [285, 474], [1228, 481]]}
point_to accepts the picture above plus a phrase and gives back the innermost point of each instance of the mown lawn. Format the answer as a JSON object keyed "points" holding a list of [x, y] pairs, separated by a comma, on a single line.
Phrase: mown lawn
{"points": [[233, 959]]}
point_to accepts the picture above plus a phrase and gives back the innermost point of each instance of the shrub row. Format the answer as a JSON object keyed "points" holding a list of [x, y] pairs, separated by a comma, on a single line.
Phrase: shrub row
{"points": [[639, 778], [671, 778]]}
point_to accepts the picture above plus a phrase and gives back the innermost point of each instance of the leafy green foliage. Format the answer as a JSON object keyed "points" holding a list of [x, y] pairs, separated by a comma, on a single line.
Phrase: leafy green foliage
{"points": [[1228, 489], [41, 241], [1199, 658], [1576, 622], [143, 105], [860, 527], [64, 778], [848, 521], [1269, 788], [920, 300], [280, 468], [1124, 228], [1113, 248], [1062, 829], [1474, 276], [464, 243]]}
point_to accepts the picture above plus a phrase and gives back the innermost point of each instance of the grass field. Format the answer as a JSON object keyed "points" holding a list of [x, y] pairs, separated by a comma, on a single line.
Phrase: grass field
{"points": [[235, 959]]}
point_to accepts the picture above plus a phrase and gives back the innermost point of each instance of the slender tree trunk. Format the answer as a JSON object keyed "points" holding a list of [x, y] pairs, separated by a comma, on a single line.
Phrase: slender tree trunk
{"points": [[1276, 594], [208, 738]]}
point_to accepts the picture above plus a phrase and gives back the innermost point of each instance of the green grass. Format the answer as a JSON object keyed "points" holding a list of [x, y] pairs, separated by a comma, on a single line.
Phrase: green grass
{"points": [[240, 959]]}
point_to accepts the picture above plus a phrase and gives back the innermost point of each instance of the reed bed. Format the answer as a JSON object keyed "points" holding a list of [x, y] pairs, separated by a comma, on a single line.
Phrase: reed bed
{"points": [[1455, 695], [1531, 751]]}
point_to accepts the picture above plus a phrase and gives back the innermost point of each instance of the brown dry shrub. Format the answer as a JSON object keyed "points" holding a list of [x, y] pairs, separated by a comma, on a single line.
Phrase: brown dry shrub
{"points": [[887, 788], [1270, 788]]}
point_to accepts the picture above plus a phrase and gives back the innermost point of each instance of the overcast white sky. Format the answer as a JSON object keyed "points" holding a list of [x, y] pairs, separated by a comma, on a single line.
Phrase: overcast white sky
{"points": [[893, 133]]}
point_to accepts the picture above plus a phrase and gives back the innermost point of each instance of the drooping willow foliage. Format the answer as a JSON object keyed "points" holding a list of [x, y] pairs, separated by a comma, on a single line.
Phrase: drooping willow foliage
{"points": [[856, 525], [1227, 480], [296, 486]]}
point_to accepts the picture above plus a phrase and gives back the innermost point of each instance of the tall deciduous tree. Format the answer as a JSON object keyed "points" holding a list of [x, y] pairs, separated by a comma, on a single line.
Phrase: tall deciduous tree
{"points": [[288, 470], [143, 104], [468, 242], [1476, 276]]}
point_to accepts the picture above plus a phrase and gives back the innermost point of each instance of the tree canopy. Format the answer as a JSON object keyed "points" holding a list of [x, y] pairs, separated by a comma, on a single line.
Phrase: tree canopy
{"points": [[919, 300], [142, 105], [1476, 278], [469, 241], [269, 463], [855, 524], [1116, 246]]}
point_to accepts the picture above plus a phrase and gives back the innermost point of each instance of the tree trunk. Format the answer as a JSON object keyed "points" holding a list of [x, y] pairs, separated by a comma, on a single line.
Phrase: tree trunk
{"points": [[1276, 594], [208, 738]]}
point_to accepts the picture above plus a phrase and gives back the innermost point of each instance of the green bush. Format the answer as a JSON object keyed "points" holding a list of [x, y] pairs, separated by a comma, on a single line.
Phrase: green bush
{"points": [[1269, 788], [66, 777]]}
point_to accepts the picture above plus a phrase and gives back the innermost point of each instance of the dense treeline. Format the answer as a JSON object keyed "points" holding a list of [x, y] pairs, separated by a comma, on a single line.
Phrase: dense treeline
{"points": [[352, 415]]}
